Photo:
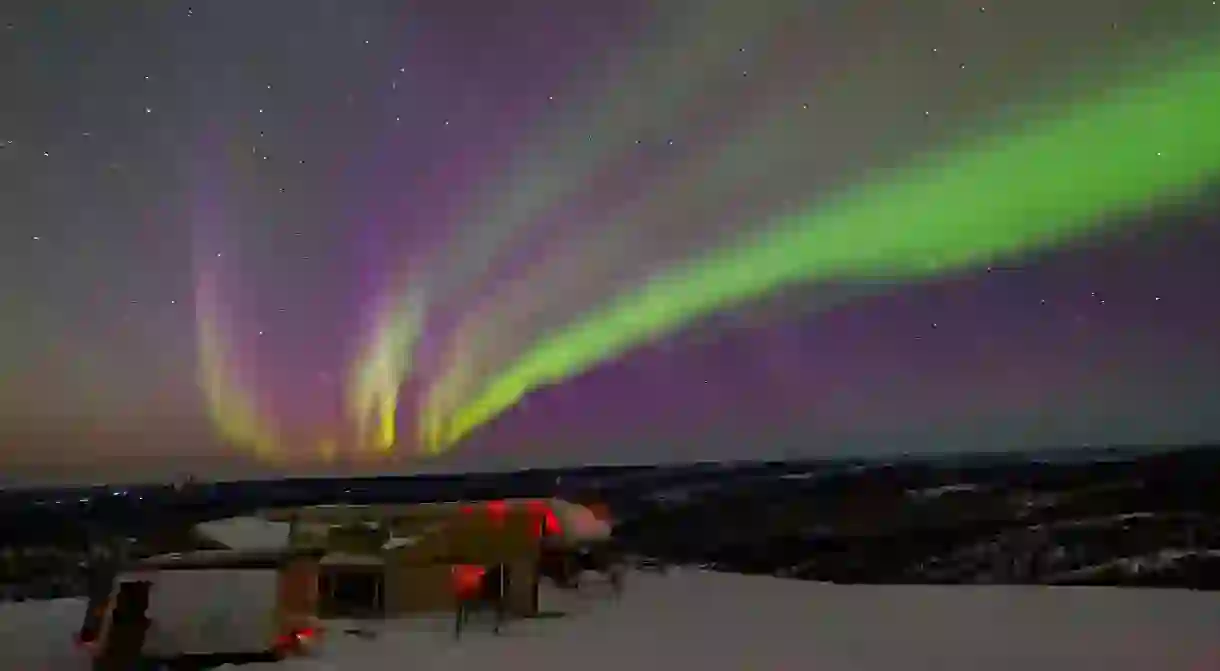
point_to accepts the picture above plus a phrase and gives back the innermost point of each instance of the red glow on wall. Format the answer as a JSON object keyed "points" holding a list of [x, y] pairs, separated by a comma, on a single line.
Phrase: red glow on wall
{"points": [[497, 511], [467, 580], [550, 524]]}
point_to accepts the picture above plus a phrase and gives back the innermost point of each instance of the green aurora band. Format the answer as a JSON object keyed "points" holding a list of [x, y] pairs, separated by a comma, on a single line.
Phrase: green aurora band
{"points": [[1041, 185]]}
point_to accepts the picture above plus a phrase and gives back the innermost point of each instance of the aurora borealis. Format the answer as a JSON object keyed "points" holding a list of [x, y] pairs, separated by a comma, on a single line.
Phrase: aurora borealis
{"points": [[397, 236]]}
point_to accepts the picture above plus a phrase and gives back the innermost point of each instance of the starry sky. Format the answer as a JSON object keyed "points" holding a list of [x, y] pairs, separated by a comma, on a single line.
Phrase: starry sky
{"points": [[248, 238]]}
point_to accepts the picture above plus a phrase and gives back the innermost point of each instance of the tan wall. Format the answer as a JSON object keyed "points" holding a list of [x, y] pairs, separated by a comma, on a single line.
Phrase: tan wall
{"points": [[419, 577], [411, 589], [429, 549], [310, 535], [480, 539], [356, 540], [413, 526], [298, 594], [418, 589], [474, 539]]}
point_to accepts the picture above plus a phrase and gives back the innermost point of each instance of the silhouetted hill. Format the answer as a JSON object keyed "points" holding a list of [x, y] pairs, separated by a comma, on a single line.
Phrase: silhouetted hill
{"points": [[1145, 518], [1130, 516]]}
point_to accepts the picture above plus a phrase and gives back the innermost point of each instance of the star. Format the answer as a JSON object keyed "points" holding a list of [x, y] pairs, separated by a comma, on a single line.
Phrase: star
{"points": [[379, 203]]}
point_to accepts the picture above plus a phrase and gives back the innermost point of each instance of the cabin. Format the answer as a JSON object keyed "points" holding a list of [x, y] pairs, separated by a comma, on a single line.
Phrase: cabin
{"points": [[181, 606], [397, 560]]}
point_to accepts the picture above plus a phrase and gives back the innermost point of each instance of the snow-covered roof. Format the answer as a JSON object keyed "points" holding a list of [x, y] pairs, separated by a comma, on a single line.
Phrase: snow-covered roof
{"points": [[397, 542], [577, 521], [721, 622], [246, 533]]}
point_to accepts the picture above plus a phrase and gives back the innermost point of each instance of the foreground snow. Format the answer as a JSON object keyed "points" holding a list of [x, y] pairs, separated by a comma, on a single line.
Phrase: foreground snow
{"points": [[718, 622], [37, 635]]}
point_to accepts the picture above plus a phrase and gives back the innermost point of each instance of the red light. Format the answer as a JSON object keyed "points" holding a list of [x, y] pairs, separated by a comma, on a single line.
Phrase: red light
{"points": [[551, 525], [295, 640], [467, 580]]}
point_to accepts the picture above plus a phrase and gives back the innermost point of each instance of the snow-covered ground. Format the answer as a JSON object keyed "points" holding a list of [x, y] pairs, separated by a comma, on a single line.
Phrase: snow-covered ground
{"points": [[719, 622], [37, 635]]}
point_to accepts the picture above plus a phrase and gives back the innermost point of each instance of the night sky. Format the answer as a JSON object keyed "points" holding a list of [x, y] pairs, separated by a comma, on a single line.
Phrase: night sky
{"points": [[243, 238]]}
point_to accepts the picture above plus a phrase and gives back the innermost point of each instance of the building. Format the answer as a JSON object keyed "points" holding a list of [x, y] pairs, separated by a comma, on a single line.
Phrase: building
{"points": [[394, 560]]}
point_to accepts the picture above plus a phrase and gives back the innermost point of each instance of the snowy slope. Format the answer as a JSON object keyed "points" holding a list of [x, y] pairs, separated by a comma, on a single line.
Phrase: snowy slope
{"points": [[37, 636], [718, 622]]}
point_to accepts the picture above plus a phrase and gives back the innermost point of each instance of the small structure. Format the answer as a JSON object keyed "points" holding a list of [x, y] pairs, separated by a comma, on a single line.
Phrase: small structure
{"points": [[223, 605], [406, 559]]}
